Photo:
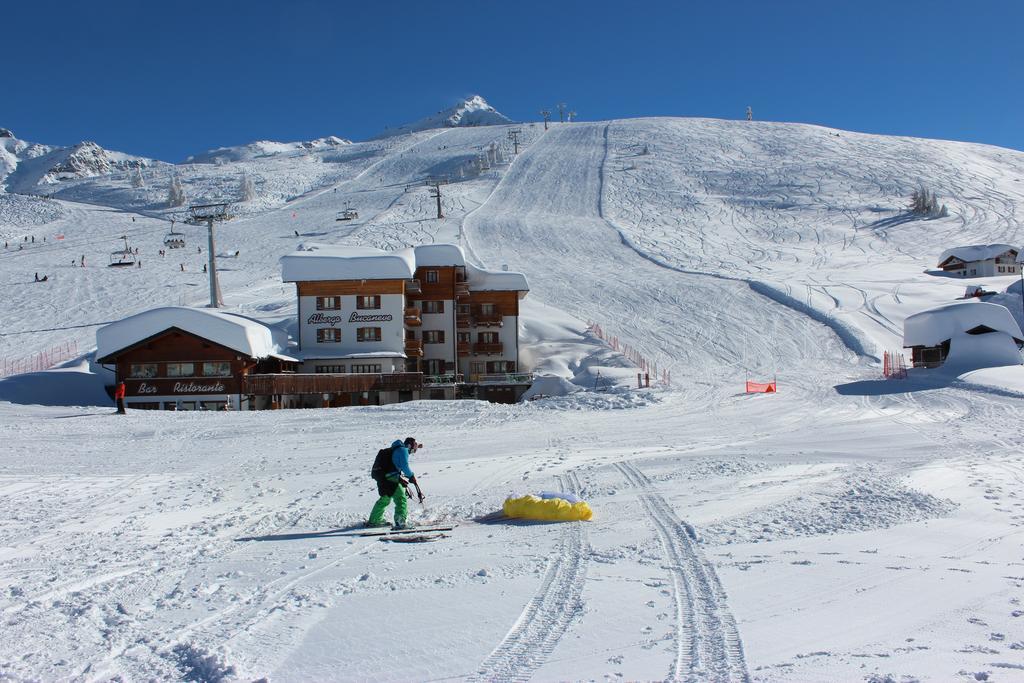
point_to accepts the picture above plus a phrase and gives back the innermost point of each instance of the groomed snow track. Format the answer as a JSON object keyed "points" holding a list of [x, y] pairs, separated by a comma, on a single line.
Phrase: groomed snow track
{"points": [[708, 645], [548, 615]]}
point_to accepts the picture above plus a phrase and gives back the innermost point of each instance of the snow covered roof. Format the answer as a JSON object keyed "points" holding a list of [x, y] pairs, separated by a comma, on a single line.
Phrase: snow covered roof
{"points": [[935, 325], [481, 280], [233, 331], [975, 252], [439, 255], [331, 262]]}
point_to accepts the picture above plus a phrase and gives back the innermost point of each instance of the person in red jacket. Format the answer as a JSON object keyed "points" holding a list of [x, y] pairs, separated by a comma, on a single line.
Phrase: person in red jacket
{"points": [[119, 393]]}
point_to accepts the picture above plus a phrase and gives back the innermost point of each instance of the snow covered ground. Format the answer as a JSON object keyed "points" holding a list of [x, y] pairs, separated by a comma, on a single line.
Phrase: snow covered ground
{"points": [[846, 528]]}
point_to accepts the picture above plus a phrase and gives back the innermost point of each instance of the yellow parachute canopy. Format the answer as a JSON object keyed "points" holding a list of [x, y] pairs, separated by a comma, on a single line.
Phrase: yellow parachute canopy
{"points": [[547, 509]]}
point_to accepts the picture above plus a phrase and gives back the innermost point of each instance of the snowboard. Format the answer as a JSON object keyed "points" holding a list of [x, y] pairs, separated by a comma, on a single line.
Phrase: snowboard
{"points": [[403, 532]]}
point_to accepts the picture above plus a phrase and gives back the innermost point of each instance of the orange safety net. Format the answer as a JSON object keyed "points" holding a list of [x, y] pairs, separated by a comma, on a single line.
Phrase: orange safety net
{"points": [[761, 387]]}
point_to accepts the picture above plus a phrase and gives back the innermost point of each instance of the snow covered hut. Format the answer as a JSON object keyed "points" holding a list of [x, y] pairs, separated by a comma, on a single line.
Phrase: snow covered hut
{"points": [[967, 334], [178, 358], [421, 310], [980, 260]]}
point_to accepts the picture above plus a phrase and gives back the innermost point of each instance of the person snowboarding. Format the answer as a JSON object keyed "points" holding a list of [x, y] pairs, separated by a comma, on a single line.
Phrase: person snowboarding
{"points": [[393, 475]]}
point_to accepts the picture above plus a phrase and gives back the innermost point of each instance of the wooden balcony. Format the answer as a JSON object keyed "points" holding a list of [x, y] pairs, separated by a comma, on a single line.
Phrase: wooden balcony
{"points": [[330, 383], [413, 347], [482, 349], [463, 348], [463, 321], [488, 319], [412, 317], [412, 287], [461, 288]]}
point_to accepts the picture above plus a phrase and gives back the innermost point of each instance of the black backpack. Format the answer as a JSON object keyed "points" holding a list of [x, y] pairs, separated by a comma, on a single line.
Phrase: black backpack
{"points": [[383, 464]]}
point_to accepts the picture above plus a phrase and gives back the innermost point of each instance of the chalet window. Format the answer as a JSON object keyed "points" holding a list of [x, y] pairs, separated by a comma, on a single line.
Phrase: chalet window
{"points": [[186, 405], [217, 369], [330, 368], [433, 336], [363, 302], [488, 309], [213, 405], [371, 369], [433, 307], [432, 276], [181, 369], [476, 368], [487, 337], [464, 337], [328, 303], [144, 405], [501, 366], [142, 370], [1002, 269], [328, 335], [434, 366], [368, 334], [463, 310]]}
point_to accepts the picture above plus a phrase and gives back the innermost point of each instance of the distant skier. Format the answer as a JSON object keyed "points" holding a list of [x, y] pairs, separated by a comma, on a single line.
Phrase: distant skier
{"points": [[119, 393], [388, 470], [296, 233]]}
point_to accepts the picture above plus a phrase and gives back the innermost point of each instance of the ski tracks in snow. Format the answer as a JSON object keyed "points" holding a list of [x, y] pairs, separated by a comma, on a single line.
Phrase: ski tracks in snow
{"points": [[548, 615], [708, 645]]}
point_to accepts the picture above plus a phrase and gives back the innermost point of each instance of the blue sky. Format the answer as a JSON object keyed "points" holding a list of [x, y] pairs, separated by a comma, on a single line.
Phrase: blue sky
{"points": [[170, 79]]}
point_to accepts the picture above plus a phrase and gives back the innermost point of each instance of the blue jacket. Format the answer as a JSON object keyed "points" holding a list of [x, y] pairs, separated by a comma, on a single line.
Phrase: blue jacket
{"points": [[400, 456]]}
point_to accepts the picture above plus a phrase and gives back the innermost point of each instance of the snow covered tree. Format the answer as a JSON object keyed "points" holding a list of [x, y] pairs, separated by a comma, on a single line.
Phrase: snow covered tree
{"points": [[175, 193], [247, 188], [924, 202], [137, 180]]}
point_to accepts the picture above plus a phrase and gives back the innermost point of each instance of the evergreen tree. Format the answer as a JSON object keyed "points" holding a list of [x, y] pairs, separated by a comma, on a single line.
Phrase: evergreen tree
{"points": [[247, 188], [175, 193], [137, 179]]}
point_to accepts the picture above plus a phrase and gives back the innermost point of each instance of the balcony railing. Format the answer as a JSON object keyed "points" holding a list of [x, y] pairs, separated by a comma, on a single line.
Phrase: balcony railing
{"points": [[462, 348], [330, 383], [463, 321], [442, 380], [488, 319], [503, 378], [412, 287], [461, 288], [413, 347], [412, 317], [488, 348]]}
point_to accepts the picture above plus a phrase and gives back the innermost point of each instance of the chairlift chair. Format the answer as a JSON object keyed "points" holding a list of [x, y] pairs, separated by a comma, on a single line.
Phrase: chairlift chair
{"points": [[174, 240], [122, 257], [347, 215]]}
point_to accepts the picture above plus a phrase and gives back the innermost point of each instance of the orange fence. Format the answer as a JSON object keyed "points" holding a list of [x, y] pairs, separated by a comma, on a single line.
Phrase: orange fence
{"points": [[651, 369], [894, 366], [39, 362]]}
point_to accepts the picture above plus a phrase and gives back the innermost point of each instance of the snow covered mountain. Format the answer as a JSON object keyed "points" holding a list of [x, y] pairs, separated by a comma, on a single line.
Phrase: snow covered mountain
{"points": [[472, 111], [25, 166], [261, 149]]}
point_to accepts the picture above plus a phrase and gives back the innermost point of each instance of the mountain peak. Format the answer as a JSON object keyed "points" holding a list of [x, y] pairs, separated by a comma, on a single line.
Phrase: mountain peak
{"points": [[471, 111]]}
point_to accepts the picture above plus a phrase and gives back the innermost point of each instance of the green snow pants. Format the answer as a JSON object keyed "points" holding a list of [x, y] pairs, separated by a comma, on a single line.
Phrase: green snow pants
{"points": [[390, 490]]}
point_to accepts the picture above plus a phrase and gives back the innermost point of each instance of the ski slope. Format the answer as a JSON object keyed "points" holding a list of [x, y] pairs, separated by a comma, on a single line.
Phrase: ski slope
{"points": [[844, 528]]}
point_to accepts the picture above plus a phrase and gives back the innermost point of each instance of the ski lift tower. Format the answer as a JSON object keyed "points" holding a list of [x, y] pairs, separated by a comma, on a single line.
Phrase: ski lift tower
{"points": [[435, 183], [208, 214]]}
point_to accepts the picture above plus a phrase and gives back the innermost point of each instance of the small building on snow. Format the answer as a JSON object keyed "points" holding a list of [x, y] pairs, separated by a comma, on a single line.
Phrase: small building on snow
{"points": [[968, 334], [178, 358], [980, 260]]}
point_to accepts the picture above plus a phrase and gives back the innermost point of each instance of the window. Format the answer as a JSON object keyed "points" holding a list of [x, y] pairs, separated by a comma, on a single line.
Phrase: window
{"points": [[142, 370], [432, 276], [366, 334], [476, 368], [217, 369], [433, 336], [181, 369], [186, 405], [328, 335], [213, 405], [487, 337], [328, 303], [368, 301], [171, 405], [373, 369], [463, 337], [434, 366], [433, 307], [463, 310], [488, 309], [144, 405], [330, 368], [1002, 269], [500, 366]]}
